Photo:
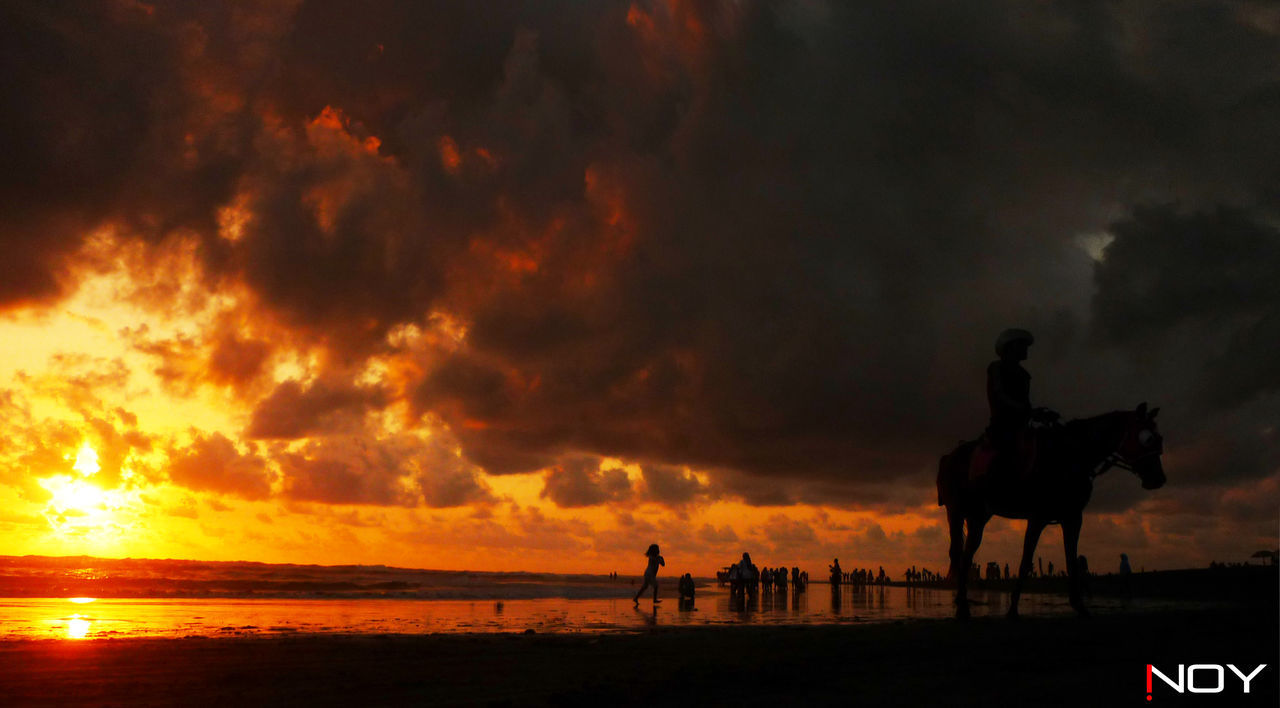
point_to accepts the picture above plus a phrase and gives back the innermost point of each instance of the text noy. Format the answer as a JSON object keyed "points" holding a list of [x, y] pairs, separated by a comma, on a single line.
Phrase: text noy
{"points": [[1201, 678]]}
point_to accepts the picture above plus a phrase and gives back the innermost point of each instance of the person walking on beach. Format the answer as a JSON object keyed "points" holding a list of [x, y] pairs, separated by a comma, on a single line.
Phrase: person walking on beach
{"points": [[651, 574]]}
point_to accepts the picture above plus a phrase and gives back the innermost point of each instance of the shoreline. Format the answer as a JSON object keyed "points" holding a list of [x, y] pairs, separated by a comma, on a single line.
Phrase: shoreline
{"points": [[1036, 661]]}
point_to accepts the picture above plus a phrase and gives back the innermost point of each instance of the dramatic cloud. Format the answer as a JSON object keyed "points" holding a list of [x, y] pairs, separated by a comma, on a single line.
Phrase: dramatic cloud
{"points": [[398, 470], [672, 486], [759, 249], [294, 410], [213, 463], [581, 482]]}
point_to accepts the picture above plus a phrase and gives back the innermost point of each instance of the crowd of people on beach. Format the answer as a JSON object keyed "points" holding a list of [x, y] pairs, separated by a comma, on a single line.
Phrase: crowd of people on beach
{"points": [[858, 576], [745, 577], [923, 575]]}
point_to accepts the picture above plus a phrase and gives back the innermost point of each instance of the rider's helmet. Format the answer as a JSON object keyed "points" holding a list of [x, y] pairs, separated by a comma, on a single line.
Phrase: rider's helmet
{"points": [[1009, 336]]}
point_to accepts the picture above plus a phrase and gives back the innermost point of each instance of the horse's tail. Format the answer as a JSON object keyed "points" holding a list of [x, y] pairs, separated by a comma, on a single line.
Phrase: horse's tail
{"points": [[944, 464], [947, 477]]}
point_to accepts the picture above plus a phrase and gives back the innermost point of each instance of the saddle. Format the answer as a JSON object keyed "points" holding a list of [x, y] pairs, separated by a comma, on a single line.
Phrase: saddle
{"points": [[985, 454]]}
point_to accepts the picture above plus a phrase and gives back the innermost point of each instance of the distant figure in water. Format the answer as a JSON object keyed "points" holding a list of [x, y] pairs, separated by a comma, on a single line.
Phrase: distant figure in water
{"points": [[651, 574], [686, 588]]}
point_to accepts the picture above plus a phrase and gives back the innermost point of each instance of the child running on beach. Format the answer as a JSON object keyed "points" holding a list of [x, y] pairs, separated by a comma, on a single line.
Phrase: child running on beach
{"points": [[651, 574]]}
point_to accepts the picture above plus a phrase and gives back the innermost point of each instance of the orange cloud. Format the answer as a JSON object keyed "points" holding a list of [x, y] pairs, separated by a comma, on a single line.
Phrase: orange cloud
{"points": [[450, 158]]}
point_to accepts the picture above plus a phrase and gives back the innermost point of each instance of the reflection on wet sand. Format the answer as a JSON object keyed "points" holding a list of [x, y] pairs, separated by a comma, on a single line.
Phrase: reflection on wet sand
{"points": [[65, 618]]}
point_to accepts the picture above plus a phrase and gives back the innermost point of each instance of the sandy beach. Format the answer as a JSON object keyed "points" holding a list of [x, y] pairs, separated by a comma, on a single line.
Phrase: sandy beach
{"points": [[1055, 661]]}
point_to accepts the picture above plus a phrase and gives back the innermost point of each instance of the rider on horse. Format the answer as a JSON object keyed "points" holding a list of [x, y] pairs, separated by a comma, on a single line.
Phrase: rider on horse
{"points": [[1009, 396]]}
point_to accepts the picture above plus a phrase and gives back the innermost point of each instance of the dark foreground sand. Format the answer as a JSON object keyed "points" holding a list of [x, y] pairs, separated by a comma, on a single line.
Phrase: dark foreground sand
{"points": [[1060, 662]]}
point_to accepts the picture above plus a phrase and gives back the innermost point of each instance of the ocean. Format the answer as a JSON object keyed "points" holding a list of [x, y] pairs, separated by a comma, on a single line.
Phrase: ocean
{"points": [[93, 598]]}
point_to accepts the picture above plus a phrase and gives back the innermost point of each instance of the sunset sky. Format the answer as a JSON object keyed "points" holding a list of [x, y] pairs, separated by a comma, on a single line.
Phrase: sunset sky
{"points": [[530, 286]]}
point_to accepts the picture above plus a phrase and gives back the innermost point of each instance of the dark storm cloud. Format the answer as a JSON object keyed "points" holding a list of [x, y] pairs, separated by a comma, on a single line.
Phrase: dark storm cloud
{"points": [[1165, 268], [817, 305], [119, 113], [772, 241], [1187, 308]]}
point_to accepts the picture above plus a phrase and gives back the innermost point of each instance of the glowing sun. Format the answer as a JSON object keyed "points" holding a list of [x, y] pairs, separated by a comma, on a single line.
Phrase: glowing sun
{"points": [[77, 505]]}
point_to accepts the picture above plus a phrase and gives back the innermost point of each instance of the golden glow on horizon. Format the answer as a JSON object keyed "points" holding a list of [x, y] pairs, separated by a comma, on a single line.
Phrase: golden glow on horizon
{"points": [[82, 600]]}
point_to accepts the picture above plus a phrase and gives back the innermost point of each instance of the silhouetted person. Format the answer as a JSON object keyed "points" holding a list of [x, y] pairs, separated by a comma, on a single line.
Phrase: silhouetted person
{"points": [[686, 588], [1050, 569], [836, 574], [1126, 588], [651, 574], [1009, 397], [749, 573], [736, 583]]}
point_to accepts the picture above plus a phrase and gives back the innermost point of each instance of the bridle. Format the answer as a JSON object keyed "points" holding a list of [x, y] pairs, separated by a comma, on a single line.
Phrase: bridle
{"points": [[1129, 460]]}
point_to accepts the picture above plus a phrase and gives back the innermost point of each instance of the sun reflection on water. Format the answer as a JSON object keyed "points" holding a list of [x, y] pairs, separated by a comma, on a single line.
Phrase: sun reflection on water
{"points": [[81, 600], [77, 627]]}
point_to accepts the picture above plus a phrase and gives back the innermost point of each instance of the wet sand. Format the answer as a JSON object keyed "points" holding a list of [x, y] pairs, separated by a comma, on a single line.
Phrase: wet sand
{"points": [[110, 618], [1042, 661]]}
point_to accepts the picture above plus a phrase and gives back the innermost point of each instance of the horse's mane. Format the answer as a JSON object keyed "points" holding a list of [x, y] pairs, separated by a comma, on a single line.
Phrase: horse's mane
{"points": [[1090, 430], [1077, 425]]}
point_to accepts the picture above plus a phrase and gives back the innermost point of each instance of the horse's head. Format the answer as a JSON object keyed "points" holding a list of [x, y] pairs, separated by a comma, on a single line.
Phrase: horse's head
{"points": [[1141, 447]]}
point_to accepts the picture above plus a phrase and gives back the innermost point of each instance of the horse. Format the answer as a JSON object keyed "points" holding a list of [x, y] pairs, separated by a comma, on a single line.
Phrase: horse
{"points": [[1055, 490]]}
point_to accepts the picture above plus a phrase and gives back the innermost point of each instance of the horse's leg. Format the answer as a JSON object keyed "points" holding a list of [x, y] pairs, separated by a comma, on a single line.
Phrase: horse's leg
{"points": [[1034, 528], [1070, 540], [955, 520], [972, 540]]}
